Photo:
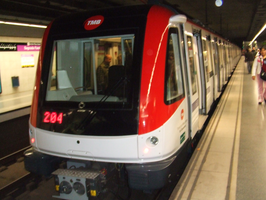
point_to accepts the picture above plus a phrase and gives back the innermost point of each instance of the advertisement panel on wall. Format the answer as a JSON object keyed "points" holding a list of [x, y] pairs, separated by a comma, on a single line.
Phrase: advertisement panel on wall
{"points": [[27, 60]]}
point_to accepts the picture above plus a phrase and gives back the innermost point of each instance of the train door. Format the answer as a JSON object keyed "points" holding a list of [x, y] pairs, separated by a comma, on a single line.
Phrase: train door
{"points": [[209, 72], [197, 47], [230, 59], [216, 70], [219, 74], [221, 62], [205, 75], [176, 81], [200, 76], [192, 78], [230, 51], [228, 66], [225, 64]]}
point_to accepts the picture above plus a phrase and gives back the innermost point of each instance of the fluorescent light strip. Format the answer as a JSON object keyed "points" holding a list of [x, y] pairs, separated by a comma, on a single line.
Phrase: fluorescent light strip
{"points": [[23, 24], [261, 30]]}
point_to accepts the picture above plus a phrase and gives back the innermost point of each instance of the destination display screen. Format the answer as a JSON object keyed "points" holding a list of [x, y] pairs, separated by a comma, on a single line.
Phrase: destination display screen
{"points": [[53, 117]]}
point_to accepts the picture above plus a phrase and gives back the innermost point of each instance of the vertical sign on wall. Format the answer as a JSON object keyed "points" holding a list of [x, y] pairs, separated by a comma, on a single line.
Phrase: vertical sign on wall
{"points": [[27, 60]]}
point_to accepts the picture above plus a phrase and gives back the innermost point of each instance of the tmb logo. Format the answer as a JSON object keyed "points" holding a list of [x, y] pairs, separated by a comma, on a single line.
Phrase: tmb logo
{"points": [[93, 22]]}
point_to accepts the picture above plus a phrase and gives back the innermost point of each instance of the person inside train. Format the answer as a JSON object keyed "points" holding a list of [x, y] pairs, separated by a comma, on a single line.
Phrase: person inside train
{"points": [[249, 58], [256, 69], [254, 52], [102, 74], [119, 59]]}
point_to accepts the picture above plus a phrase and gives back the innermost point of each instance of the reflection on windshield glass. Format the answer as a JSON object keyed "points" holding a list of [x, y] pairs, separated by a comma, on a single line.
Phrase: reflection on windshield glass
{"points": [[91, 70]]}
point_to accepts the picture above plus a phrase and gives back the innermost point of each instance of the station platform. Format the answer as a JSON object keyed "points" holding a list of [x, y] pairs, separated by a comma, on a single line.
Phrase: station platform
{"points": [[14, 122], [15, 101], [229, 161]]}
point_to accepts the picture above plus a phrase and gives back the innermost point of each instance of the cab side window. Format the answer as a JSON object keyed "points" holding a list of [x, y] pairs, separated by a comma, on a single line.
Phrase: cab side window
{"points": [[174, 88], [192, 68]]}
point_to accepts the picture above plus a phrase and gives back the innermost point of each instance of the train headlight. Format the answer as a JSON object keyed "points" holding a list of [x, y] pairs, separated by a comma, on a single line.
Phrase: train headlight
{"points": [[65, 187], [30, 131], [31, 134], [152, 141], [146, 150], [79, 188]]}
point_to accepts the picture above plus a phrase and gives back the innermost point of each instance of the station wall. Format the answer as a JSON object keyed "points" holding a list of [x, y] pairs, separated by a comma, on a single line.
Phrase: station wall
{"points": [[18, 63]]}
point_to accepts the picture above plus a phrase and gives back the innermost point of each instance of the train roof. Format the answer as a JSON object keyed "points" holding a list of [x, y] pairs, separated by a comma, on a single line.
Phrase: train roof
{"points": [[115, 18], [108, 12], [128, 17]]}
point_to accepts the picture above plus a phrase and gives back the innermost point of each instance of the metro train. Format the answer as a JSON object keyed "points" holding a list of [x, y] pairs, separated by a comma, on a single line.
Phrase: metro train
{"points": [[164, 74]]}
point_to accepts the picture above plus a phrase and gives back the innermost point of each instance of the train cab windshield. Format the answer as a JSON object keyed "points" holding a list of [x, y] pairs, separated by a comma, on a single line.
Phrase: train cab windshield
{"points": [[91, 70]]}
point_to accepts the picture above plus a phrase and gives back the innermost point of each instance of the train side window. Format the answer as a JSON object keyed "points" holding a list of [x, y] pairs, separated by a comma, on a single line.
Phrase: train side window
{"points": [[174, 88], [192, 68]]}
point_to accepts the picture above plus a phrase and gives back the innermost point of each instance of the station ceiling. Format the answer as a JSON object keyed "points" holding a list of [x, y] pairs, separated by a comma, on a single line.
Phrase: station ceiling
{"points": [[236, 20]]}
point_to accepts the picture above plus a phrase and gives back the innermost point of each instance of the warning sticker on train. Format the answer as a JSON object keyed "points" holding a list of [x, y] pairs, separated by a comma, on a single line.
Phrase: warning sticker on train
{"points": [[182, 114], [93, 22]]}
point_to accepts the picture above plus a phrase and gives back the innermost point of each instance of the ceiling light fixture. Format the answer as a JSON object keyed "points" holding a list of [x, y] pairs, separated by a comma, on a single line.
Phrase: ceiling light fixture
{"points": [[23, 24], [261, 30], [218, 3]]}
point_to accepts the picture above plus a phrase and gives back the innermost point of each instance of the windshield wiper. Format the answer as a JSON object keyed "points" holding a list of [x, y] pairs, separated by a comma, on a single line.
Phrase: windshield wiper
{"points": [[81, 127]]}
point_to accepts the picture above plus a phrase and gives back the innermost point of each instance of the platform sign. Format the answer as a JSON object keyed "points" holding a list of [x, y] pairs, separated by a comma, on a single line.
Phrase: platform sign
{"points": [[9, 46], [28, 47]]}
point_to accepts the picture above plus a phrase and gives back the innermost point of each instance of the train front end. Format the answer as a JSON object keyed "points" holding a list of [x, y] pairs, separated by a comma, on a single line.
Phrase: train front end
{"points": [[103, 99]]}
